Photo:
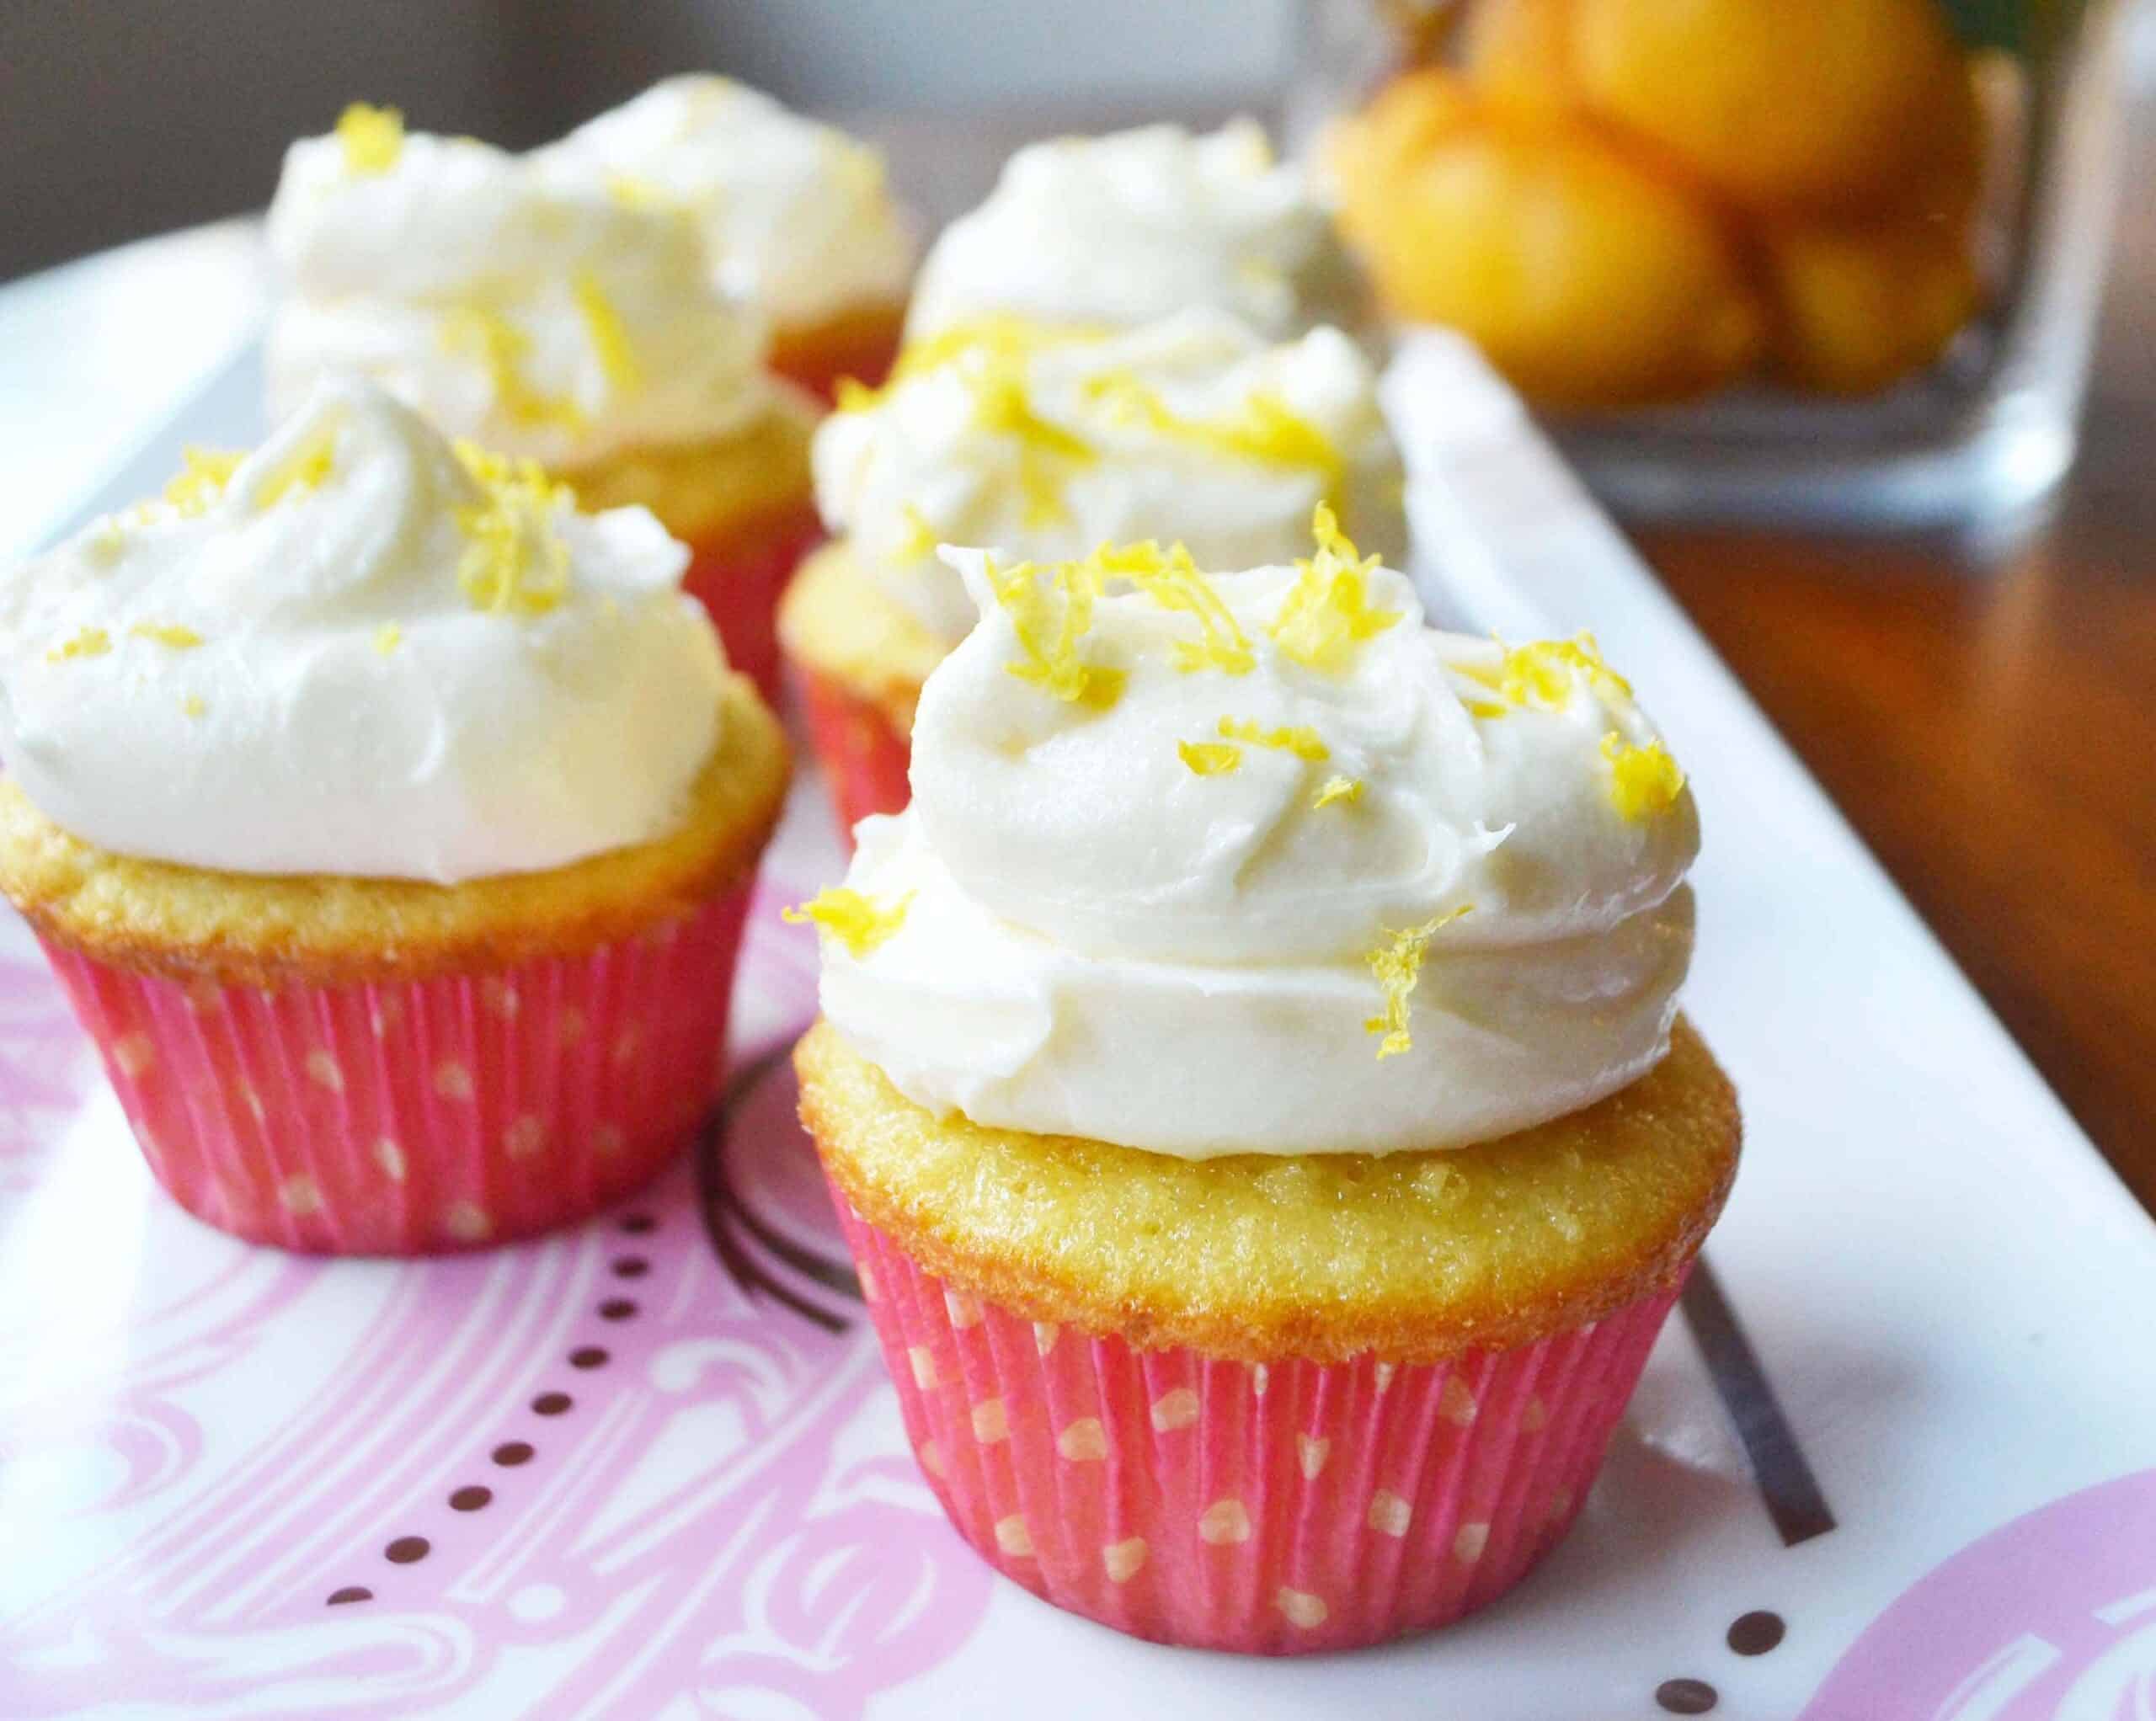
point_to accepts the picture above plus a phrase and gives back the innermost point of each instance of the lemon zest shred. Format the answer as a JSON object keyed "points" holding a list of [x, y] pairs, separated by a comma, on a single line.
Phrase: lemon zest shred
{"points": [[1541, 674], [203, 474], [1304, 743], [303, 469], [859, 922], [634, 191], [1338, 790], [372, 138], [1644, 782], [515, 563], [1048, 627], [107, 539], [86, 642], [1485, 709], [1397, 963], [1209, 759], [1263, 428], [387, 637], [192, 706], [1170, 577], [484, 334], [180, 639], [609, 334], [989, 355], [921, 536], [1328, 612]]}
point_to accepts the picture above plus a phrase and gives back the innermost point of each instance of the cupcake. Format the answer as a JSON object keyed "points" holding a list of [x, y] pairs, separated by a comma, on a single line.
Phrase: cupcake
{"points": [[1115, 231], [1251, 1081], [552, 324], [799, 218], [390, 824], [1049, 441]]}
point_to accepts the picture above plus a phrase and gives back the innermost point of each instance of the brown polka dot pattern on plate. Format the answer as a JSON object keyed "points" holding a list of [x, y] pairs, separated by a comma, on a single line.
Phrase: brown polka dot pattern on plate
{"points": [[1686, 1697]]}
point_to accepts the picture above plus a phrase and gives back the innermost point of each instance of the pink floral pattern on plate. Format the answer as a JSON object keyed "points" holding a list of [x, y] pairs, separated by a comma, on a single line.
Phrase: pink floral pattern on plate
{"points": [[592, 1473]]}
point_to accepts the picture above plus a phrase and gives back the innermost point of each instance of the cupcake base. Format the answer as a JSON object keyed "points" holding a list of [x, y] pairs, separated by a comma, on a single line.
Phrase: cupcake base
{"points": [[417, 1116], [1268, 1509], [864, 758]]}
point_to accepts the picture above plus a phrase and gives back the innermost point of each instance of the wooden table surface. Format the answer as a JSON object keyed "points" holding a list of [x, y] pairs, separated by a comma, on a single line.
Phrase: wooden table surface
{"points": [[1986, 718]]}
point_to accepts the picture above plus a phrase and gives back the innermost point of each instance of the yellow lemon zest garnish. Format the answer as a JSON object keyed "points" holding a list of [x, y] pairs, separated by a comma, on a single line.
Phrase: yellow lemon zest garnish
{"points": [[107, 539], [1001, 409], [203, 474], [515, 563], [192, 706], [1209, 759], [1541, 675], [180, 639], [1171, 580], [1048, 628], [633, 191], [858, 922], [1326, 612], [373, 138], [988, 355], [1264, 428], [1485, 708], [477, 332], [87, 642], [610, 337], [1398, 965], [922, 537], [387, 637], [1304, 743], [303, 469], [1346, 789], [1643, 781]]}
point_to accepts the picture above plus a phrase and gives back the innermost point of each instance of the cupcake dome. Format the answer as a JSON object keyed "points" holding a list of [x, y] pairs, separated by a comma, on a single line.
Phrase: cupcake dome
{"points": [[1049, 441], [798, 218], [1124, 229], [1251, 1081], [389, 825]]}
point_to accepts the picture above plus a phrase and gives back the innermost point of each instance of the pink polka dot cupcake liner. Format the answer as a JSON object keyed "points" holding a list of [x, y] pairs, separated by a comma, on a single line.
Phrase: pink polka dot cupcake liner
{"points": [[739, 584], [1271, 1509], [865, 761], [418, 1116]]}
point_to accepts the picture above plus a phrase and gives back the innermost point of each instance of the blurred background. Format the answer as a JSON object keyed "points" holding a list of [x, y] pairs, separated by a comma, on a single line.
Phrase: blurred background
{"points": [[122, 119]]}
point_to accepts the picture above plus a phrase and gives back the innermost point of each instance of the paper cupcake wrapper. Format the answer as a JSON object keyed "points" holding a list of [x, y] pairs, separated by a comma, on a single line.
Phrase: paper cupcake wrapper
{"points": [[1270, 1509], [418, 1116], [740, 579], [861, 347], [864, 758]]}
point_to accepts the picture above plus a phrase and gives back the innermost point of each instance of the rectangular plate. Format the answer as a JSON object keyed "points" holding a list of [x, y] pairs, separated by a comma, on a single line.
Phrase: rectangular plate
{"points": [[1901, 1413]]}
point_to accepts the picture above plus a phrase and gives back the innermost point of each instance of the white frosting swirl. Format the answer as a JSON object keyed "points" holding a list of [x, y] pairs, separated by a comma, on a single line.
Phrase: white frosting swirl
{"points": [[315, 668], [1122, 229], [798, 217], [539, 321], [1047, 444], [1100, 934]]}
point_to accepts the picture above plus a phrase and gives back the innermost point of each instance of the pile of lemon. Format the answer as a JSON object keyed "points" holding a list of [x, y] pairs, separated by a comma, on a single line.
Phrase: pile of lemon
{"points": [[1628, 202]]}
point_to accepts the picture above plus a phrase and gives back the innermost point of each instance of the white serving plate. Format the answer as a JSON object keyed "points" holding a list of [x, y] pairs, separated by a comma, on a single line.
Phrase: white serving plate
{"points": [[1921, 1305]]}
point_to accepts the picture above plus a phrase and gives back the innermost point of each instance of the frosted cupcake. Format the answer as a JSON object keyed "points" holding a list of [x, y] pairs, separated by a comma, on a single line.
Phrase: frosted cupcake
{"points": [[1251, 1081], [390, 824], [552, 324], [1048, 442], [798, 218], [1119, 230]]}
